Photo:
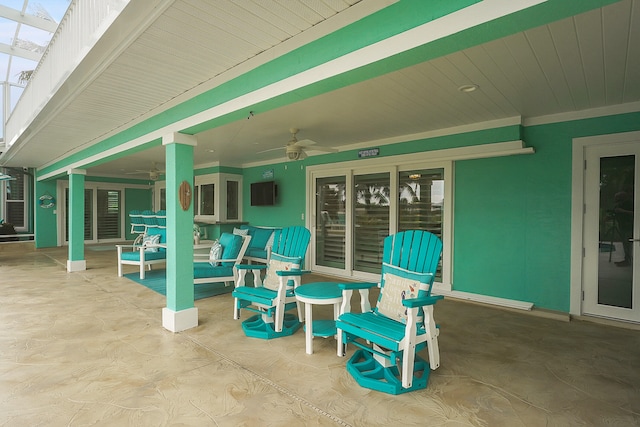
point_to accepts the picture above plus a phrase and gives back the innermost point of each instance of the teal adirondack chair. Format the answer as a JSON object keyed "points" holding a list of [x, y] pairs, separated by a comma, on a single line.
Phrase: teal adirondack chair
{"points": [[270, 297], [389, 336]]}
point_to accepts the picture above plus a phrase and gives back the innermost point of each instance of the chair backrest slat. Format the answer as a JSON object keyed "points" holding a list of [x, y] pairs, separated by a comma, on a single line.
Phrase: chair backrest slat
{"points": [[414, 250], [291, 241]]}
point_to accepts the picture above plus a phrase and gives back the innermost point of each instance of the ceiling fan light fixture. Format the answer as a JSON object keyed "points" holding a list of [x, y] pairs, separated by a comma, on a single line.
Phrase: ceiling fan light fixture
{"points": [[293, 152], [468, 88]]}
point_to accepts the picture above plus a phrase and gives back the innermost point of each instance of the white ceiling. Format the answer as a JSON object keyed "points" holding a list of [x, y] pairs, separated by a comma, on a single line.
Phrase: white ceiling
{"points": [[589, 61]]}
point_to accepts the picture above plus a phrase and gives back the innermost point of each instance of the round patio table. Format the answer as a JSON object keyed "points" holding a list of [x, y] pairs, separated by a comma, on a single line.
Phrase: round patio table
{"points": [[319, 293]]}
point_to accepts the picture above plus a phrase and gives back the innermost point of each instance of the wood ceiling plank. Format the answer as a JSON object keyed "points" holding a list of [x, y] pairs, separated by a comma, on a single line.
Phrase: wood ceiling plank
{"points": [[590, 39], [616, 23]]}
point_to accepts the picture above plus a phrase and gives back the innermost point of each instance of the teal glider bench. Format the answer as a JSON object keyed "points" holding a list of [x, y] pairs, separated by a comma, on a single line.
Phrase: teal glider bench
{"points": [[151, 250], [261, 243], [220, 263]]}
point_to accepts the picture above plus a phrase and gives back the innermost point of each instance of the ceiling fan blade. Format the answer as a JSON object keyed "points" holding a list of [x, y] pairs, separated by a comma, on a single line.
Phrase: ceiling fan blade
{"points": [[305, 143], [270, 149], [325, 149]]}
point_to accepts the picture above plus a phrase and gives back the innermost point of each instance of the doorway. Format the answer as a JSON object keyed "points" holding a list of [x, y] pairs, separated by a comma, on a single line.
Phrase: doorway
{"points": [[611, 232]]}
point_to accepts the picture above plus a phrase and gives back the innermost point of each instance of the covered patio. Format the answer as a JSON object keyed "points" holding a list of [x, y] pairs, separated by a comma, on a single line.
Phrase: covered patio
{"points": [[92, 352]]}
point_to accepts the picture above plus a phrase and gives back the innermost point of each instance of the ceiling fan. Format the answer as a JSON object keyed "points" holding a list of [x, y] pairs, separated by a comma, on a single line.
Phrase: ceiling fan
{"points": [[154, 172], [295, 150]]}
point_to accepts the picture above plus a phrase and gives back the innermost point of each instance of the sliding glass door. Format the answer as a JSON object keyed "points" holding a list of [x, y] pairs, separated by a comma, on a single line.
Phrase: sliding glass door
{"points": [[354, 211], [103, 217]]}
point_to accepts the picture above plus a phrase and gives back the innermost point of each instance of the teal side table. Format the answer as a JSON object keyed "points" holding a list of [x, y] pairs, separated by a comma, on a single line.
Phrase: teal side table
{"points": [[319, 293]]}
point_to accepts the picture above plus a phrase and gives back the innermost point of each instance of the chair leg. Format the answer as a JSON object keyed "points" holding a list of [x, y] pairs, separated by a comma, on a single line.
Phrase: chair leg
{"points": [[279, 318], [432, 338], [408, 359], [236, 310], [342, 348], [141, 271], [119, 261]]}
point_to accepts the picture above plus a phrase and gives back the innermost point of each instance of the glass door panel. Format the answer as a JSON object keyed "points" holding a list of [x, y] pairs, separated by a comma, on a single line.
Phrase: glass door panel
{"points": [[330, 222], [611, 232], [108, 213], [371, 220], [421, 202], [88, 214], [615, 266], [232, 200]]}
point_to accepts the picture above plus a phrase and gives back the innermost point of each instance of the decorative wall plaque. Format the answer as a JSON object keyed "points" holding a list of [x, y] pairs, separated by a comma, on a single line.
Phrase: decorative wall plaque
{"points": [[184, 195]]}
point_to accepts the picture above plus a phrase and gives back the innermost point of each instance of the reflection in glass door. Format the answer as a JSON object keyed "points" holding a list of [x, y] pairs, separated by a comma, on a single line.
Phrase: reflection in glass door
{"points": [[611, 232], [330, 222], [371, 220], [88, 215], [421, 202]]}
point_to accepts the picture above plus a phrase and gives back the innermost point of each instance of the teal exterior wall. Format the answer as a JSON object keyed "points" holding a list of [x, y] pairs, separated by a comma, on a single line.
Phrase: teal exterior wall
{"points": [[512, 218], [290, 177], [44, 220]]}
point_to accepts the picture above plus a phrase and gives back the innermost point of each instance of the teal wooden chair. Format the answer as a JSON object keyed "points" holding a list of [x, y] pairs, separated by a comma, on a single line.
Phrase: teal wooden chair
{"points": [[152, 249], [220, 265], [272, 296], [389, 336]]}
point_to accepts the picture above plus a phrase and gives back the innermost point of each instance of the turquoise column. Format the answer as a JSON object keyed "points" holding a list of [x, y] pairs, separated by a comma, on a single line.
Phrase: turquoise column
{"points": [[76, 261], [180, 313]]}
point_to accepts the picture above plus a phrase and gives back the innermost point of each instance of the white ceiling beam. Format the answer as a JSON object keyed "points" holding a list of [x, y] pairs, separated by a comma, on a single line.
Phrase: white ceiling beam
{"points": [[31, 20], [22, 53]]}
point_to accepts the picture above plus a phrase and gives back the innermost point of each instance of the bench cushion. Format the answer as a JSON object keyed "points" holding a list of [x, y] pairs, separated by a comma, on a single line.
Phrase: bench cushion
{"points": [[259, 236], [203, 270], [231, 245], [256, 253], [148, 256]]}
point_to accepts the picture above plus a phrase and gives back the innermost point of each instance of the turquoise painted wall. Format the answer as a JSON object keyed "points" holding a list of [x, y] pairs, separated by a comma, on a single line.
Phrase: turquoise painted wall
{"points": [[45, 231], [512, 219], [290, 178]]}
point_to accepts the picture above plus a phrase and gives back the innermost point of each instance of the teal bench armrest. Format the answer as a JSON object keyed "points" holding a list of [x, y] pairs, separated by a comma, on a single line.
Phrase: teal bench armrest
{"points": [[251, 266]]}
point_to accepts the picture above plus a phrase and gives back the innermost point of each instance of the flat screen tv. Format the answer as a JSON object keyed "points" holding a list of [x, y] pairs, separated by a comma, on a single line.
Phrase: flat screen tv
{"points": [[264, 193]]}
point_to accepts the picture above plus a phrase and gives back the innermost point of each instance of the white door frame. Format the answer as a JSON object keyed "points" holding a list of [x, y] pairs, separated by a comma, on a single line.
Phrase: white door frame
{"points": [[577, 208]]}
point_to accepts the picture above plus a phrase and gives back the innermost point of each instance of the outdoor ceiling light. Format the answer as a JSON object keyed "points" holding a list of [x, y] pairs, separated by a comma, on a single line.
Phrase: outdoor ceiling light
{"points": [[468, 88]]}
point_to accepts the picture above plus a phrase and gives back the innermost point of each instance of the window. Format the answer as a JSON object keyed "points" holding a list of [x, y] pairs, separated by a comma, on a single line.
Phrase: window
{"points": [[206, 194], [216, 197], [15, 196], [233, 201]]}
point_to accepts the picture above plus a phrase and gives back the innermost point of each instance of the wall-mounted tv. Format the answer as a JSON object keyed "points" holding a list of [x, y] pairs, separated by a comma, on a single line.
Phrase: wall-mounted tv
{"points": [[264, 193]]}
